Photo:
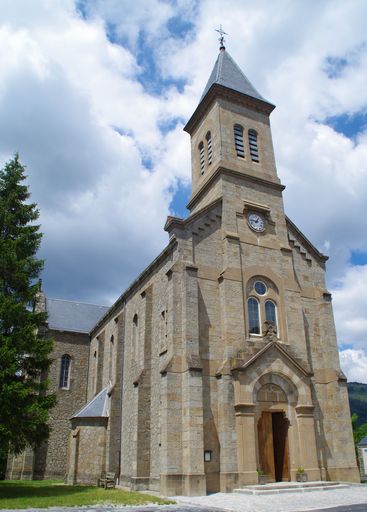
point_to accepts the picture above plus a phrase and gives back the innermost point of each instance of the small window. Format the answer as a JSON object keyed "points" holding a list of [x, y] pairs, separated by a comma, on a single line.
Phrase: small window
{"points": [[252, 140], [238, 140], [253, 315], [135, 336], [64, 372], [202, 157], [209, 147]]}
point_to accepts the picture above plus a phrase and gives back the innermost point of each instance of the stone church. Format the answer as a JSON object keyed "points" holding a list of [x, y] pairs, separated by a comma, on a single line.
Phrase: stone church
{"points": [[221, 358]]}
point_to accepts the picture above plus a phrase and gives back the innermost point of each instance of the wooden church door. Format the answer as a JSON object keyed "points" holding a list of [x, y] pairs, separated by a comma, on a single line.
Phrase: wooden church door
{"points": [[272, 430]]}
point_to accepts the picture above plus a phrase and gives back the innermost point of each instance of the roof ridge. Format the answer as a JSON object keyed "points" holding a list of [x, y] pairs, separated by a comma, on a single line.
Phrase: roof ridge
{"points": [[220, 64]]}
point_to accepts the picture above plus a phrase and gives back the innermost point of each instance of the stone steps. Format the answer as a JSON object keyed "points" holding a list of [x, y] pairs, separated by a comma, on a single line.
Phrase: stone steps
{"points": [[290, 487]]}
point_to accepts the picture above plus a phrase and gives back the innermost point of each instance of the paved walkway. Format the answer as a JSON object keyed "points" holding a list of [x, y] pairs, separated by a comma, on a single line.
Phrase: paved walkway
{"points": [[292, 502]]}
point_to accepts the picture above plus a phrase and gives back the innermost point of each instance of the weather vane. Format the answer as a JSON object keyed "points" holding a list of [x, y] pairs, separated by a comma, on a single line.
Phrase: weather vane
{"points": [[221, 38]]}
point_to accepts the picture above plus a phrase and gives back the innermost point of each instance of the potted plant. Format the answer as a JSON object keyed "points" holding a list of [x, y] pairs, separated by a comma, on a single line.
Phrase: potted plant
{"points": [[263, 479], [301, 475]]}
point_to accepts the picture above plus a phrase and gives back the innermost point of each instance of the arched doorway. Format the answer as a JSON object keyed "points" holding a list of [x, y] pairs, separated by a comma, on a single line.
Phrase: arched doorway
{"points": [[272, 433]]}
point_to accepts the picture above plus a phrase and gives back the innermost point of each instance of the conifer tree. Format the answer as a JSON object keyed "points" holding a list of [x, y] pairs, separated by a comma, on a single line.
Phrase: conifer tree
{"points": [[24, 351]]}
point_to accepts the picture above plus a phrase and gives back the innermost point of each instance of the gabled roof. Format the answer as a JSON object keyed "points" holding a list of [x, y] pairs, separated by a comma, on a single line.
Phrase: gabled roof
{"points": [[228, 74], [97, 407], [281, 350], [64, 315]]}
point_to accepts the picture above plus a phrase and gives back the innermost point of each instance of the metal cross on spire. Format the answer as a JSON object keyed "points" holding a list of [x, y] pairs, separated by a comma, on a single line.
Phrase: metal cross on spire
{"points": [[221, 38]]}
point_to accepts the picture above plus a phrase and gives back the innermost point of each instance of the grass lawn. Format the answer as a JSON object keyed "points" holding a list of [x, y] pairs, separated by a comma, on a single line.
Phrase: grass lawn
{"points": [[53, 493]]}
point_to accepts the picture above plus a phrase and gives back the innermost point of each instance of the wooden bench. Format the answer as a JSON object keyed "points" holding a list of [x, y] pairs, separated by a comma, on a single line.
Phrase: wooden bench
{"points": [[107, 480]]}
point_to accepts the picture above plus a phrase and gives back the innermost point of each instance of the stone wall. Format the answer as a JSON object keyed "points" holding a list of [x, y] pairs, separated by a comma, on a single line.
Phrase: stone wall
{"points": [[87, 450], [50, 459]]}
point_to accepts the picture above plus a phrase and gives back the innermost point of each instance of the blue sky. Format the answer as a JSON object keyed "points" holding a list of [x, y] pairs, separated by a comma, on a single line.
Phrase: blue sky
{"points": [[95, 94]]}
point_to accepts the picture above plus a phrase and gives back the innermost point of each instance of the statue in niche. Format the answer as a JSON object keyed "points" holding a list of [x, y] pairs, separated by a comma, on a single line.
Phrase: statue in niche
{"points": [[270, 331]]}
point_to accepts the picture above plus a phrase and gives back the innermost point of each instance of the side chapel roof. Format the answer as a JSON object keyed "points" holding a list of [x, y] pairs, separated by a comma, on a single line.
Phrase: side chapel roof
{"points": [[64, 315], [97, 407]]}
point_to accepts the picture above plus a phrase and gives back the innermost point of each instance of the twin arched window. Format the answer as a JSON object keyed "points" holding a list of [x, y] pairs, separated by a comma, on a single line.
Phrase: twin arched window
{"points": [[209, 152], [239, 143], [261, 305], [65, 372]]}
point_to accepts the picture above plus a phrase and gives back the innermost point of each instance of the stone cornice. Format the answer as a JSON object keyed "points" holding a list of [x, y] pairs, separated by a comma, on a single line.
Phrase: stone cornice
{"points": [[310, 247], [177, 222], [237, 174], [218, 90]]}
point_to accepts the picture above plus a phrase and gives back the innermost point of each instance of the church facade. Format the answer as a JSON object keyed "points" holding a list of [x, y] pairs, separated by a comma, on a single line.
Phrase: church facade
{"points": [[220, 360]]}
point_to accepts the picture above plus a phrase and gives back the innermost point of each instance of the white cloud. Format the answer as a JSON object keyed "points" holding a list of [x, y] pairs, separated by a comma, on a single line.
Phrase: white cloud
{"points": [[76, 107], [354, 365], [350, 306]]}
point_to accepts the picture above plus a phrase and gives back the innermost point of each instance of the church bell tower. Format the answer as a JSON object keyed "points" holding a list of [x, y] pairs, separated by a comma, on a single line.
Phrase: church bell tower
{"points": [[230, 132]]}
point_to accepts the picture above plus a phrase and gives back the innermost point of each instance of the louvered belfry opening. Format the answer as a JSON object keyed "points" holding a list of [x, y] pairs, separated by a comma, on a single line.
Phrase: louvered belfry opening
{"points": [[202, 157], [252, 140], [238, 140], [209, 147]]}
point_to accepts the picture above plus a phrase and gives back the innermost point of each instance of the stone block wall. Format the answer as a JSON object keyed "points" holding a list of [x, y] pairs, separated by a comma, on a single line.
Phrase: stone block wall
{"points": [[50, 459]]}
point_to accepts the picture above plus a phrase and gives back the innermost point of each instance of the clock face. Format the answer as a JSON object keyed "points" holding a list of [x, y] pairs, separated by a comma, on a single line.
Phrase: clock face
{"points": [[256, 222]]}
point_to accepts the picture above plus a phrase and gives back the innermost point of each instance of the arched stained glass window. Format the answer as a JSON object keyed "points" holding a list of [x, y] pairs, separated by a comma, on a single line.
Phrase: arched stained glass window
{"points": [[238, 140], [202, 157], [271, 312], [253, 315], [252, 140], [64, 372], [209, 147]]}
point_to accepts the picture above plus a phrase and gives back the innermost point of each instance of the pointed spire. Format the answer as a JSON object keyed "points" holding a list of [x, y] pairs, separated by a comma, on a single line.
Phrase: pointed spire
{"points": [[228, 74]]}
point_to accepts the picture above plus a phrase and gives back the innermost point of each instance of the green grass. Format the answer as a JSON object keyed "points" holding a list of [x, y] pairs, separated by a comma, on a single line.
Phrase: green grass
{"points": [[53, 493]]}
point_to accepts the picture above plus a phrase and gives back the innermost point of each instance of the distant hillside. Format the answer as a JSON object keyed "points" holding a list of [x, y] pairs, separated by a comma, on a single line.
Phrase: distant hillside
{"points": [[358, 400]]}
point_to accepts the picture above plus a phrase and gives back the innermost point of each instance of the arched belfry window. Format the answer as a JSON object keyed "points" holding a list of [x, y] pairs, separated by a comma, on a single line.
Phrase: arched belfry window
{"points": [[252, 141], [202, 157], [209, 147], [262, 297], [65, 372], [238, 140]]}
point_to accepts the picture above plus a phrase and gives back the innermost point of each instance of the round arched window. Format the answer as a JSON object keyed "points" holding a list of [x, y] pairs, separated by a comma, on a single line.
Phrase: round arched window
{"points": [[260, 288]]}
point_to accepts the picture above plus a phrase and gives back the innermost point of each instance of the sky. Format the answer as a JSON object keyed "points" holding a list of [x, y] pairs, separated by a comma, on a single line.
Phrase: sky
{"points": [[94, 95]]}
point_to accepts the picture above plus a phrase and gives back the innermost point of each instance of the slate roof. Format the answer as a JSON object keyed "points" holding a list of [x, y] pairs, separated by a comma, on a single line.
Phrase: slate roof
{"points": [[228, 74], [97, 407], [363, 442], [64, 315]]}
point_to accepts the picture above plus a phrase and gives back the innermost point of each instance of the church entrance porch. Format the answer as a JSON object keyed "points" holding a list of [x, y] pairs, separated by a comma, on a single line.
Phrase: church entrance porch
{"points": [[272, 429]]}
